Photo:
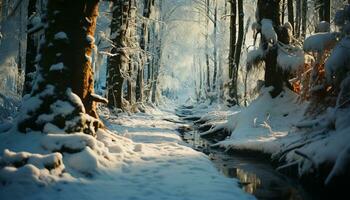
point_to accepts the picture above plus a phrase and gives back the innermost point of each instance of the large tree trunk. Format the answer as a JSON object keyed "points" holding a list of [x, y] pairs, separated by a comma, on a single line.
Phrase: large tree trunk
{"points": [[31, 50], [231, 58], [63, 93], [118, 62], [273, 73]]}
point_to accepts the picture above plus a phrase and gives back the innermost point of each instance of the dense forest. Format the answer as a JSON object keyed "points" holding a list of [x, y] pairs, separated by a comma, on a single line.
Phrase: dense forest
{"points": [[174, 99]]}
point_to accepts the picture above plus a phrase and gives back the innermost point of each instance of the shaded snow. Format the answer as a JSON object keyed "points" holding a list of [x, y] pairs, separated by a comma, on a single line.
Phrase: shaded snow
{"points": [[60, 36], [268, 31], [319, 42], [56, 67]]}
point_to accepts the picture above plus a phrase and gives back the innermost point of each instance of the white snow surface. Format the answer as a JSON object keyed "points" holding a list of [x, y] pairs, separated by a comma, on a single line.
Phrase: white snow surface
{"points": [[259, 126], [142, 158], [273, 126], [319, 42]]}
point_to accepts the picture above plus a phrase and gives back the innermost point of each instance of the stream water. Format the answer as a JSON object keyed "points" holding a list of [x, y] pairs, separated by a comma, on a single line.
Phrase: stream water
{"points": [[255, 174]]}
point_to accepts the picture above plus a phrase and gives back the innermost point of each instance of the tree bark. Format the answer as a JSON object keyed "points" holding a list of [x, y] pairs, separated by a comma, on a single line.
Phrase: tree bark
{"points": [[304, 18], [239, 45], [207, 45], [298, 18], [290, 8], [215, 52], [31, 50], [231, 58], [118, 62], [324, 10], [132, 43], [273, 73], [327, 10], [65, 76]]}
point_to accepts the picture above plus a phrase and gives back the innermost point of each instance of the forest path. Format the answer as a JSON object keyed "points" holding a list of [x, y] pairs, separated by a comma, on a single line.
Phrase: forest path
{"points": [[163, 166]]}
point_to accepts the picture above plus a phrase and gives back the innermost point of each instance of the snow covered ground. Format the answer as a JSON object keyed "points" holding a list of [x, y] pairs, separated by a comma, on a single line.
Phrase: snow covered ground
{"points": [[143, 158], [280, 128]]}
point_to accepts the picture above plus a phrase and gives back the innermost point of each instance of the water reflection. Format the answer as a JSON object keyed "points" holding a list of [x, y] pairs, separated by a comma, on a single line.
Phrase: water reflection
{"points": [[249, 181], [255, 176]]}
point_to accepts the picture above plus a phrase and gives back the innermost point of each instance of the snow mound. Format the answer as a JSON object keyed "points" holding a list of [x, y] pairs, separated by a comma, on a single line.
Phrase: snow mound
{"points": [[258, 126], [338, 61], [28, 167], [319, 42]]}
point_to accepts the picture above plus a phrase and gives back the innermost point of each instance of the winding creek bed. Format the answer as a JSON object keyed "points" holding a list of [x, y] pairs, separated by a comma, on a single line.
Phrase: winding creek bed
{"points": [[254, 170]]}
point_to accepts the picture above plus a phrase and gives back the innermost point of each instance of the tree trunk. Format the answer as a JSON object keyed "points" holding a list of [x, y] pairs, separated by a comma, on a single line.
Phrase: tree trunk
{"points": [[157, 61], [273, 73], [65, 53], [327, 10], [231, 58], [148, 4], [118, 63], [304, 18], [239, 45], [298, 18], [31, 50], [207, 45], [283, 11], [290, 8], [324, 10], [132, 43], [215, 52]]}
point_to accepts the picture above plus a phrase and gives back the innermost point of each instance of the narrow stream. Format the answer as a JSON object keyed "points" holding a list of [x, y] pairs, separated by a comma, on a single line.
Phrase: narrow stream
{"points": [[256, 175]]}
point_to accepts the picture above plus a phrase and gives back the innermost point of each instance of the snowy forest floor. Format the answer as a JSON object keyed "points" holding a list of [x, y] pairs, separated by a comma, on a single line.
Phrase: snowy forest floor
{"points": [[154, 163]]}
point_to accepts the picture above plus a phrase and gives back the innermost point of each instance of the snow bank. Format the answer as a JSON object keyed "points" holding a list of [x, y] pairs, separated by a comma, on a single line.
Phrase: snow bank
{"points": [[338, 61], [319, 42], [27, 167], [258, 126]]}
